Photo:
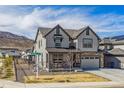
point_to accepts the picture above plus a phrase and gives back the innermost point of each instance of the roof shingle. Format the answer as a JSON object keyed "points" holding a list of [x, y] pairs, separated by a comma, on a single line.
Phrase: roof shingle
{"points": [[72, 32], [116, 51]]}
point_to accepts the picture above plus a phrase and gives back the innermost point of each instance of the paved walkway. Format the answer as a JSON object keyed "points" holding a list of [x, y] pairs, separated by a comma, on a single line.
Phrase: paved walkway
{"points": [[77, 85], [11, 84]]}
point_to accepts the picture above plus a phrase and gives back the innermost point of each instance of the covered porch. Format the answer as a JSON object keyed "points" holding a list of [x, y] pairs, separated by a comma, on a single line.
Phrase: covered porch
{"points": [[69, 59]]}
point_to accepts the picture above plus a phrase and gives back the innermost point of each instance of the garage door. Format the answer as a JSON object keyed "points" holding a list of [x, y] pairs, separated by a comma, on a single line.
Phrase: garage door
{"points": [[90, 63]]}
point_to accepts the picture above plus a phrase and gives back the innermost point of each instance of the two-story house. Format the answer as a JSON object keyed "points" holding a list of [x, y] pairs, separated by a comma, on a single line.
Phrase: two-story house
{"points": [[67, 49]]}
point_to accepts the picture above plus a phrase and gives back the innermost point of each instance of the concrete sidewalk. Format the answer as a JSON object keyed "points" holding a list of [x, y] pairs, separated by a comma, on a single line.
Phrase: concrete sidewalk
{"points": [[116, 75], [73, 85], [11, 84]]}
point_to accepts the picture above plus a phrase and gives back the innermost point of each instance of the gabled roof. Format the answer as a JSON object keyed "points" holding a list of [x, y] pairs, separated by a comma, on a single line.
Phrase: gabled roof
{"points": [[57, 26], [43, 30], [72, 33], [86, 28]]}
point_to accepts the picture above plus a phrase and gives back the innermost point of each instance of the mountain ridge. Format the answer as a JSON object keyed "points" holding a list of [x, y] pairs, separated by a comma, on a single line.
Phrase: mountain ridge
{"points": [[10, 40], [119, 37]]}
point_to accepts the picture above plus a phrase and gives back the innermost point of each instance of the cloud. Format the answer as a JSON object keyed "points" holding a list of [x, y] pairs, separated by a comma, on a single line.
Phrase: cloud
{"points": [[25, 20]]}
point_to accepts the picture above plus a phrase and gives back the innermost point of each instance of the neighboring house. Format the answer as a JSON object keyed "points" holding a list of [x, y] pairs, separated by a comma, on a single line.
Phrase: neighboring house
{"points": [[114, 58], [108, 44], [26, 54], [6, 52], [118, 44], [113, 53], [67, 49]]}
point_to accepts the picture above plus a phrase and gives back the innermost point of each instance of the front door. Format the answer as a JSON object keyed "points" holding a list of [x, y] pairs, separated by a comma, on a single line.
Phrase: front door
{"points": [[57, 60]]}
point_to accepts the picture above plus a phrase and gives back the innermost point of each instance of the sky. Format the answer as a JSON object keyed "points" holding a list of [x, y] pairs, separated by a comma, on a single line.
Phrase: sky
{"points": [[25, 20]]}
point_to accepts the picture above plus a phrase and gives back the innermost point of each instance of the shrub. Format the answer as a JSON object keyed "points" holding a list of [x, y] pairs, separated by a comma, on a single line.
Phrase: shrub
{"points": [[8, 67]]}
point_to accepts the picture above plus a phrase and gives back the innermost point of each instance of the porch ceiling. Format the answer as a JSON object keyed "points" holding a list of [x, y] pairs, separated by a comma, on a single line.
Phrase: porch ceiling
{"points": [[64, 50], [61, 50]]}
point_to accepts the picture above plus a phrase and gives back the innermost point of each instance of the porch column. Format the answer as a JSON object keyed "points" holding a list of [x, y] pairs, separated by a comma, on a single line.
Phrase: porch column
{"points": [[48, 62]]}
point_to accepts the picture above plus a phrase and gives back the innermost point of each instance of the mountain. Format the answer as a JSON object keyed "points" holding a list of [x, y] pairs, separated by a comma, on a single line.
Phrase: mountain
{"points": [[121, 37], [10, 40]]}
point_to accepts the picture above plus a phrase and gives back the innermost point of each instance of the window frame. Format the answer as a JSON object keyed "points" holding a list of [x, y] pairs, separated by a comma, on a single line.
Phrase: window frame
{"points": [[87, 57], [58, 41], [39, 44], [87, 32], [87, 45]]}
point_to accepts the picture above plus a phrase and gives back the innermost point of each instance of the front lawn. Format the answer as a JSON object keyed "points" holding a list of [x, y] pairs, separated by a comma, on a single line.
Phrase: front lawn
{"points": [[68, 77]]}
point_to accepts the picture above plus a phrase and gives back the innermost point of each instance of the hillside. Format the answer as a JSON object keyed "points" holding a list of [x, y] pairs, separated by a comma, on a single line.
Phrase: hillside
{"points": [[9, 40], [121, 37]]}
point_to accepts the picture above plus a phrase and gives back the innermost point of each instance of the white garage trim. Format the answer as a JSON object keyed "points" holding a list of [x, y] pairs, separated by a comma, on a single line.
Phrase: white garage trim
{"points": [[90, 62]]}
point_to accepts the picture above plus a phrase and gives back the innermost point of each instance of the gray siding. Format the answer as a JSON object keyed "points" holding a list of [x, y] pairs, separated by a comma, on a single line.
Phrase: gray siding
{"points": [[92, 36], [42, 50], [50, 40]]}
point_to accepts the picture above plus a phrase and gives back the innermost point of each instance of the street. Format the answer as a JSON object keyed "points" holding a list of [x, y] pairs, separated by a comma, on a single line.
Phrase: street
{"points": [[11, 84]]}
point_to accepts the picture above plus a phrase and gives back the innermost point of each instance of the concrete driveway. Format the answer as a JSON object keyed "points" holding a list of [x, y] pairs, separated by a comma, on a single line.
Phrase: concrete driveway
{"points": [[112, 74]]}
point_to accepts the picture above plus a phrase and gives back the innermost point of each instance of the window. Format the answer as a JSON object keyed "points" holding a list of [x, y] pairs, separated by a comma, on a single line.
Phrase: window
{"points": [[57, 56], [82, 58], [58, 40], [87, 32], [57, 60], [96, 57], [87, 43], [91, 57], [39, 43], [57, 45], [86, 57]]}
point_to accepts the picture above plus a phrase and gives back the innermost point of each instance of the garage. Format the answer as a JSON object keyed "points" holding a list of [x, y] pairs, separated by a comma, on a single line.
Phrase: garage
{"points": [[114, 58], [90, 63]]}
